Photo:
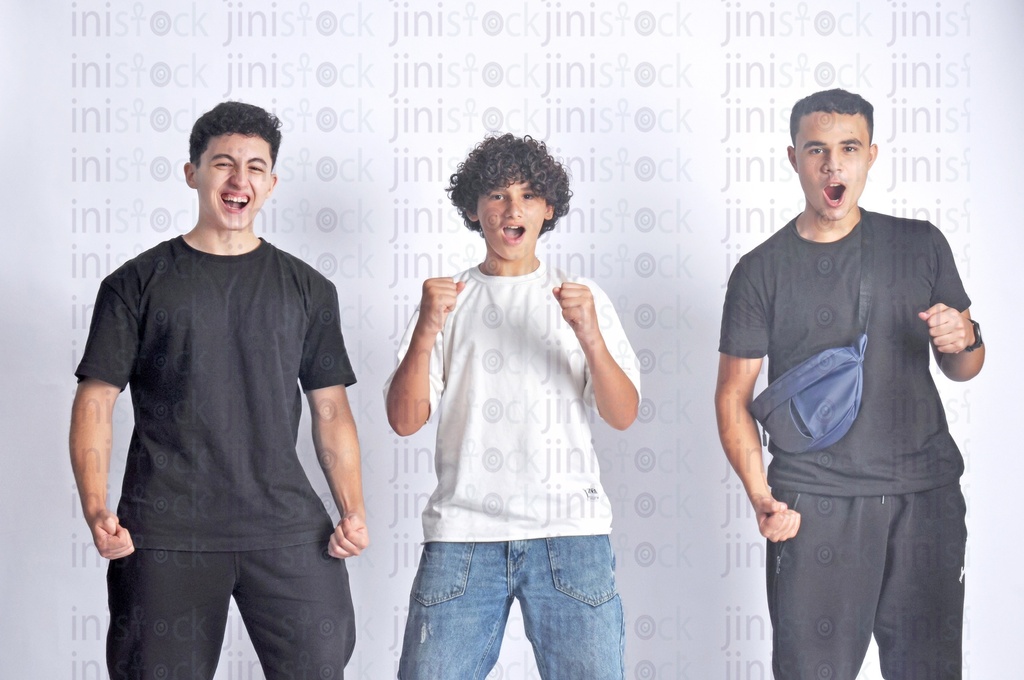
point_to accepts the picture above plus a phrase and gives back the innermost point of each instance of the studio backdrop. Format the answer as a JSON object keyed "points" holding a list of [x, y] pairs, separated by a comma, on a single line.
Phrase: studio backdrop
{"points": [[673, 120]]}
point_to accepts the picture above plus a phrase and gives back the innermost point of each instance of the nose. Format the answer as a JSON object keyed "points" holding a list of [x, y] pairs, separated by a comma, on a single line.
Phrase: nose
{"points": [[237, 176], [831, 164], [514, 206]]}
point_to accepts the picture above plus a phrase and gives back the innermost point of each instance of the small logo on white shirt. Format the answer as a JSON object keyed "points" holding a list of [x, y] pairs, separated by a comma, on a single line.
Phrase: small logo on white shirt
{"points": [[592, 493]]}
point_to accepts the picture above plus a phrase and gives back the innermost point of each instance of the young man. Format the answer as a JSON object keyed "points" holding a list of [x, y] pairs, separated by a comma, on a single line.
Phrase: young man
{"points": [[866, 537], [514, 354], [215, 331]]}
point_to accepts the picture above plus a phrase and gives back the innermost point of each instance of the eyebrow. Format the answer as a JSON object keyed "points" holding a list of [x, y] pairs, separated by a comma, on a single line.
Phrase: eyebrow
{"points": [[846, 142]]}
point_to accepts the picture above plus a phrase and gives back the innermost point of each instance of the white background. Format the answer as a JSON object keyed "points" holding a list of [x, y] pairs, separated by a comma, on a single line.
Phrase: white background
{"points": [[638, 97]]}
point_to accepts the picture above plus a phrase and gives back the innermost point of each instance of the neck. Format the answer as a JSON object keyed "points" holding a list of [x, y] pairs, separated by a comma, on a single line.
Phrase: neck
{"points": [[217, 242], [813, 227], [497, 267]]}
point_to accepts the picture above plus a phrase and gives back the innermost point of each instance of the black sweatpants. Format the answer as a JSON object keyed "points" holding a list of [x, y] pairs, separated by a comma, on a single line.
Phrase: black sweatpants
{"points": [[890, 566], [168, 612]]}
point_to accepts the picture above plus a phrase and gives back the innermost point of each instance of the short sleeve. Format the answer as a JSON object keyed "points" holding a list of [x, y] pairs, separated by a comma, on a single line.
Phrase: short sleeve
{"points": [[325, 361], [948, 288], [744, 331], [112, 347]]}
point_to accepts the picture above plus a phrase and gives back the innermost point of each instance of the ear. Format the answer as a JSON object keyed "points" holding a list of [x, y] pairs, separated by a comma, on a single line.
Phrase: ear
{"points": [[791, 152], [550, 212], [872, 154], [190, 175]]}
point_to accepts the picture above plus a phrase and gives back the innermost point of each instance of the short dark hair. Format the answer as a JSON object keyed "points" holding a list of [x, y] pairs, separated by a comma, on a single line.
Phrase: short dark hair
{"points": [[228, 118], [498, 162], [832, 101]]}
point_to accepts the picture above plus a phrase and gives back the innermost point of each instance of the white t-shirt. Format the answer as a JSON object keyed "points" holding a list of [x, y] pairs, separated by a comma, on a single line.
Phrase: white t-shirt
{"points": [[515, 458]]}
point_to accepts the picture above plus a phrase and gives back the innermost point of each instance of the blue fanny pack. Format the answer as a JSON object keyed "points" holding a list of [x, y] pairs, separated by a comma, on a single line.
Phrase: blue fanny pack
{"points": [[812, 405]]}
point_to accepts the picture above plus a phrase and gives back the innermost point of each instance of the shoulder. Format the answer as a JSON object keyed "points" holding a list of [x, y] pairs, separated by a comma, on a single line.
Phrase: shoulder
{"points": [[137, 272], [897, 226], [766, 256], [467, 274], [904, 232], [304, 274], [556, 275], [782, 241], [286, 260]]}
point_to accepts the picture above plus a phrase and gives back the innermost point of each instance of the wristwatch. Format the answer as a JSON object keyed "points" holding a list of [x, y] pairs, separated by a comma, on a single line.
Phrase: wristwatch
{"points": [[977, 336]]}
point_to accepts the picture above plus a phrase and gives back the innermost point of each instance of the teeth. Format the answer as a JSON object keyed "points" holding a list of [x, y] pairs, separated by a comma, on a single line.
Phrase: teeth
{"points": [[236, 199]]}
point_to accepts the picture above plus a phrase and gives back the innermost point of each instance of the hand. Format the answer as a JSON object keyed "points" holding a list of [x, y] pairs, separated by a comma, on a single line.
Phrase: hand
{"points": [[949, 330], [578, 310], [437, 303], [775, 520], [350, 537], [112, 540]]}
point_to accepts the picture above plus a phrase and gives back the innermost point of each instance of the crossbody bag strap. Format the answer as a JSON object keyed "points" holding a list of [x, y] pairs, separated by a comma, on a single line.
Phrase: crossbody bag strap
{"points": [[866, 273]]}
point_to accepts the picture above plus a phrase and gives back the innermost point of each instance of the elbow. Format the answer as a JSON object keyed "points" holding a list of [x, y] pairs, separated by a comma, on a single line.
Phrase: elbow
{"points": [[623, 424], [403, 429], [629, 418], [406, 415], [961, 367], [400, 421], [623, 417]]}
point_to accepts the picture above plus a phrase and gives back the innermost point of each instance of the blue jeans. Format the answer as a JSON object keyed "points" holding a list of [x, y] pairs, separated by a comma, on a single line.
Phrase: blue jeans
{"points": [[566, 589]]}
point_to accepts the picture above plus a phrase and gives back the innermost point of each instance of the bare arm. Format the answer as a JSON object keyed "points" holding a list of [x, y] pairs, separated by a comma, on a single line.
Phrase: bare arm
{"points": [[337, 449], [408, 401], [738, 434], [616, 396], [951, 331], [90, 441]]}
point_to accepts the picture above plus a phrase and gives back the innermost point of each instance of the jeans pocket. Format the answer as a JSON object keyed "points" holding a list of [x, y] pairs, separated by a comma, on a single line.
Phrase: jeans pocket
{"points": [[583, 567], [443, 572]]}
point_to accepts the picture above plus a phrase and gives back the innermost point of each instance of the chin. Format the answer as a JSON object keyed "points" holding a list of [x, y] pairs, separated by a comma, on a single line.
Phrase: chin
{"points": [[830, 215]]}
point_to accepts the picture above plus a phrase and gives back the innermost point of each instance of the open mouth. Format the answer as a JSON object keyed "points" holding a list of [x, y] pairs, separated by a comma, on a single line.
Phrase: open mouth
{"points": [[514, 233], [834, 193], [234, 202]]}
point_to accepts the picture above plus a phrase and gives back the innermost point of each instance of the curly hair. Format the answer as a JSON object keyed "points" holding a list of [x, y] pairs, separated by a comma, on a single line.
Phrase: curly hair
{"points": [[498, 162], [832, 101], [229, 118]]}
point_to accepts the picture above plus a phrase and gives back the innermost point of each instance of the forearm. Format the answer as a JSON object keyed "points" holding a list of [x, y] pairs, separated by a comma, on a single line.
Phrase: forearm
{"points": [[614, 393], [738, 434], [408, 400], [336, 443], [962, 366], [90, 444], [737, 430], [341, 465]]}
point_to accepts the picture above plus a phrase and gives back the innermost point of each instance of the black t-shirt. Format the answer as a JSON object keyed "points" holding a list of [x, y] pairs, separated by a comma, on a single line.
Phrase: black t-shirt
{"points": [[790, 298], [215, 348]]}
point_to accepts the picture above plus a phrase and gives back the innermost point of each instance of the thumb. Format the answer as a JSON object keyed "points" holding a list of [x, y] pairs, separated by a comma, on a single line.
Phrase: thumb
{"points": [[770, 504], [931, 311], [459, 286], [109, 524]]}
